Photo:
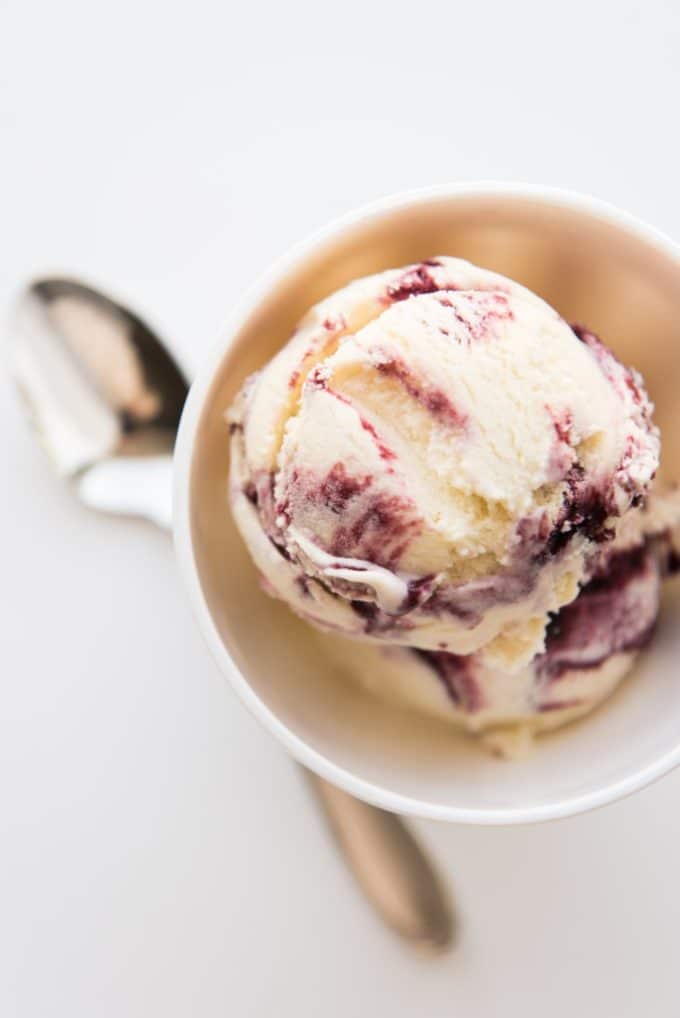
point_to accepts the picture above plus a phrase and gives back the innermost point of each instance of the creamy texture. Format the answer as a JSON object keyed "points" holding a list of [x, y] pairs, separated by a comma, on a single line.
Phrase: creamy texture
{"points": [[437, 460], [591, 644]]}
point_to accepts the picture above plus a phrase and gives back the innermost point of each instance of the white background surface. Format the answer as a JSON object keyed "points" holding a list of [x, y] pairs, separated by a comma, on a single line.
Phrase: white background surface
{"points": [[158, 855]]}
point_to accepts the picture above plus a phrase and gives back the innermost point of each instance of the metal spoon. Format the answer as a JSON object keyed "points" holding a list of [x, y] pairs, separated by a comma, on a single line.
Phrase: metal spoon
{"points": [[106, 397]]}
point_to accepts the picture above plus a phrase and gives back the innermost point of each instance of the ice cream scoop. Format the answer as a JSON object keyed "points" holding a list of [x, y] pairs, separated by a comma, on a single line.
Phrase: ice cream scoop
{"points": [[436, 459]]}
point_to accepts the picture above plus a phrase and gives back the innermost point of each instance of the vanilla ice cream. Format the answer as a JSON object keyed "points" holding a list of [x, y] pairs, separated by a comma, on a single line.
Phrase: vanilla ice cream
{"points": [[437, 460]]}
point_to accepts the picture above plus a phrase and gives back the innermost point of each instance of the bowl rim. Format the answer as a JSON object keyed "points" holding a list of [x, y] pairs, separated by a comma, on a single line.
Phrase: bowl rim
{"points": [[182, 527]]}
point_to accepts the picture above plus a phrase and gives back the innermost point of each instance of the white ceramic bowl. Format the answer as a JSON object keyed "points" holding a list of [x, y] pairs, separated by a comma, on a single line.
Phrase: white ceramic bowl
{"points": [[596, 265]]}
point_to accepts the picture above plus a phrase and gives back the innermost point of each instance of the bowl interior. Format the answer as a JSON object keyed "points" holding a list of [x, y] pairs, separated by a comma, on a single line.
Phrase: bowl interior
{"points": [[594, 270]]}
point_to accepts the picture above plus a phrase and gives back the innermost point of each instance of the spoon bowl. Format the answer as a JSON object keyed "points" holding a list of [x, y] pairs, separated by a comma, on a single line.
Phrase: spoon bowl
{"points": [[103, 392]]}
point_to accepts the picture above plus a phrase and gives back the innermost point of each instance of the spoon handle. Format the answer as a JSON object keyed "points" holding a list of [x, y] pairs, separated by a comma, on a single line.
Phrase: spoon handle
{"points": [[130, 486], [389, 865], [386, 860]]}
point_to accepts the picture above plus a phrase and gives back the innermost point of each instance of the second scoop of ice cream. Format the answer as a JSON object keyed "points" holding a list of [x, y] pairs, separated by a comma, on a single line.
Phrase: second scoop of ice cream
{"points": [[435, 459]]}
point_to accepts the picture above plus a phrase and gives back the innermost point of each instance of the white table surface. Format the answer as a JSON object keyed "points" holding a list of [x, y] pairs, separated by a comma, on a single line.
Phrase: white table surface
{"points": [[158, 854]]}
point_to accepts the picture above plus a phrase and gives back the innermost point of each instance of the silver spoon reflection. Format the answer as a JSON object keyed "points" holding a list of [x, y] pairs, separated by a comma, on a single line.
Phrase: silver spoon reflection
{"points": [[106, 398]]}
